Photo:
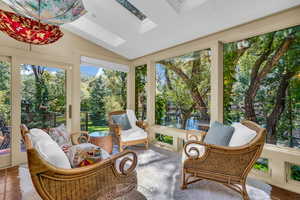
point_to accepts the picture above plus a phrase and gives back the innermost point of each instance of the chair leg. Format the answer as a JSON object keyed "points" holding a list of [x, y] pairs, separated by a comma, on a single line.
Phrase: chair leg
{"points": [[244, 192], [147, 144], [183, 181], [121, 147]]}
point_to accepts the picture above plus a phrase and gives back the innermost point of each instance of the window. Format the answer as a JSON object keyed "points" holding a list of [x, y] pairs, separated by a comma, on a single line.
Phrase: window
{"points": [[131, 8], [43, 103], [183, 91], [5, 106], [262, 84], [140, 92], [102, 91]]}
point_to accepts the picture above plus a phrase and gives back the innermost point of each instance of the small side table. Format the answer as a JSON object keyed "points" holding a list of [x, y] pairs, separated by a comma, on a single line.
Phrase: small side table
{"points": [[102, 139]]}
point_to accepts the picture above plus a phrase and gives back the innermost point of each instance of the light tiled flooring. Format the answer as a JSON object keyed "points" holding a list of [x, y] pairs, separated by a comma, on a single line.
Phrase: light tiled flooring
{"points": [[9, 184], [10, 190]]}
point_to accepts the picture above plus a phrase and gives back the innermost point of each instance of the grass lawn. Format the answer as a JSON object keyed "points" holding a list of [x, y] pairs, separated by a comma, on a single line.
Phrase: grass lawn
{"points": [[93, 128], [164, 138], [98, 128]]}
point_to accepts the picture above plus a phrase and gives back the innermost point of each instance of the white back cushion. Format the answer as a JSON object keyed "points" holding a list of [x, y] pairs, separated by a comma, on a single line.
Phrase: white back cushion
{"points": [[49, 149], [131, 117], [242, 135], [37, 135]]}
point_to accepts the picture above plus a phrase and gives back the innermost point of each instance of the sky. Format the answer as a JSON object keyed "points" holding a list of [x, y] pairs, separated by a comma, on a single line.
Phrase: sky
{"points": [[90, 70], [84, 70], [26, 70]]}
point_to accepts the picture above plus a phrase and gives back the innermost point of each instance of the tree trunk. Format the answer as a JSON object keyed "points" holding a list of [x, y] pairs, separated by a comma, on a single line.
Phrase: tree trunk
{"points": [[144, 106], [195, 94], [258, 72], [185, 115], [184, 120], [273, 118], [168, 81], [136, 101], [123, 90], [249, 105]]}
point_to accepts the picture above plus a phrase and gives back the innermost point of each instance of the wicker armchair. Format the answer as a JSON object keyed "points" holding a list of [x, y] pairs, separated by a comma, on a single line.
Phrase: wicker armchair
{"points": [[140, 136], [227, 165], [106, 180]]}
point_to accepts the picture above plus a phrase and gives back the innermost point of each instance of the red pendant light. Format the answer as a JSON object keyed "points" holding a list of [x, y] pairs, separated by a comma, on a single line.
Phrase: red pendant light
{"points": [[27, 30]]}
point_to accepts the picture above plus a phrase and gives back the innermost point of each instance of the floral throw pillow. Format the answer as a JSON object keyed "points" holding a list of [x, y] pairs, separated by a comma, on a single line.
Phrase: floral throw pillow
{"points": [[85, 154], [61, 136]]}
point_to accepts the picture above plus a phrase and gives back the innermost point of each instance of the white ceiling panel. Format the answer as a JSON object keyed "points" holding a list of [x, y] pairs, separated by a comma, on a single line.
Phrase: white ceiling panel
{"points": [[168, 27]]}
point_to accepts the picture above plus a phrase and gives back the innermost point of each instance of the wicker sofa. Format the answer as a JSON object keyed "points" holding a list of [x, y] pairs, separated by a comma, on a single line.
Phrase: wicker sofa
{"points": [[227, 165], [109, 179]]}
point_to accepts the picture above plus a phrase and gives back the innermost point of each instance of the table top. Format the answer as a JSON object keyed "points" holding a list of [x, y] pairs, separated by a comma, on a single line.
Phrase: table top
{"points": [[100, 134]]}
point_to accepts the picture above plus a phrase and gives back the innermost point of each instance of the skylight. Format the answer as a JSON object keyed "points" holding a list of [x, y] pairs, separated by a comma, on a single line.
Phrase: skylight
{"points": [[185, 5], [131, 8], [96, 31]]}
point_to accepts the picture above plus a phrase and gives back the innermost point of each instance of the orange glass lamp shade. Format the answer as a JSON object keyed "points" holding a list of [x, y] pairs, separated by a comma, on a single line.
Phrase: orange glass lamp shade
{"points": [[27, 30]]}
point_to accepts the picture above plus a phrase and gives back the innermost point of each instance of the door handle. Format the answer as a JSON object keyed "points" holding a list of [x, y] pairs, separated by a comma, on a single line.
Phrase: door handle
{"points": [[70, 111]]}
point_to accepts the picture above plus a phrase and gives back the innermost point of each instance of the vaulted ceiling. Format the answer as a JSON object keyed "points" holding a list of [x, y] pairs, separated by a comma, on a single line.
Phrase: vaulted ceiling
{"points": [[161, 24]]}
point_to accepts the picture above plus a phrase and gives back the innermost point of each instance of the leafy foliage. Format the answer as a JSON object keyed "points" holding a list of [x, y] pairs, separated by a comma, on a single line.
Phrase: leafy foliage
{"points": [[183, 89], [5, 93], [101, 94], [295, 172], [140, 92], [262, 73], [43, 101], [262, 165], [97, 101]]}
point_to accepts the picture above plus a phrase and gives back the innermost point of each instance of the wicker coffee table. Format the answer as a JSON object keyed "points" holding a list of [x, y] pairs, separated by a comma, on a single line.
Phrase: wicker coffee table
{"points": [[102, 139]]}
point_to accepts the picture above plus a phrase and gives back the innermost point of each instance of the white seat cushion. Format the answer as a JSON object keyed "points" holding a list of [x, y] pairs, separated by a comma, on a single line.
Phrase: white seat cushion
{"points": [[242, 135], [48, 149], [133, 134]]}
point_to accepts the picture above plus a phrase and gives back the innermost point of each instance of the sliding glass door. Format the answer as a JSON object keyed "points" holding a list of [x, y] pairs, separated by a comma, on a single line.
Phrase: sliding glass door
{"points": [[32, 94]]}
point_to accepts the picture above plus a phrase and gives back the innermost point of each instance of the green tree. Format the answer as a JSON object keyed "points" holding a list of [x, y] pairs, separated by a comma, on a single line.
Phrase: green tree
{"points": [[185, 85], [43, 96], [256, 84], [194, 70], [97, 101], [5, 92], [140, 92], [116, 85]]}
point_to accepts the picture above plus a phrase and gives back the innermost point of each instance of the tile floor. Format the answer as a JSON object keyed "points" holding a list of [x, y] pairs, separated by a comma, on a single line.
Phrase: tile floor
{"points": [[10, 190]]}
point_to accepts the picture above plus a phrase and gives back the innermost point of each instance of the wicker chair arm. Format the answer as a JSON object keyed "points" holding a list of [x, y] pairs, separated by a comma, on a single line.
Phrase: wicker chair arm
{"points": [[125, 163], [195, 135], [142, 124], [194, 149], [80, 137]]}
